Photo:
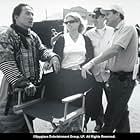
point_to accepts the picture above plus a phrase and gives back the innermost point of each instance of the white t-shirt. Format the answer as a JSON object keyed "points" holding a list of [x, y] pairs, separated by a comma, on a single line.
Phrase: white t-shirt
{"points": [[74, 52]]}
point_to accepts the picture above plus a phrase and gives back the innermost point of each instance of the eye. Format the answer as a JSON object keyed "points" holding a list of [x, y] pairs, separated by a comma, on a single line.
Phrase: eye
{"points": [[107, 14], [29, 13]]}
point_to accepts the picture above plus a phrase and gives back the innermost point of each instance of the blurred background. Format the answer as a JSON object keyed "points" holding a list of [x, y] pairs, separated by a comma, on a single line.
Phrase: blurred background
{"points": [[53, 9]]}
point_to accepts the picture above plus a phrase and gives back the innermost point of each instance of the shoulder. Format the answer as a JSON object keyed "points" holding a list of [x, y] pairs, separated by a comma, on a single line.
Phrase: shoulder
{"points": [[128, 30], [90, 31], [60, 38], [34, 34], [7, 39], [128, 27], [109, 28], [86, 38], [60, 41], [6, 34]]}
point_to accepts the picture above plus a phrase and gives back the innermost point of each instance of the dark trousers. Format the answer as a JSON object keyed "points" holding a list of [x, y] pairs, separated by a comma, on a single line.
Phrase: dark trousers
{"points": [[116, 114], [102, 86], [94, 107]]}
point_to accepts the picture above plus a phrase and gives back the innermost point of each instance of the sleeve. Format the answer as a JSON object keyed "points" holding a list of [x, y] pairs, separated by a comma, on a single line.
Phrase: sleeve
{"points": [[89, 49], [59, 47], [45, 53], [7, 61], [124, 37]]}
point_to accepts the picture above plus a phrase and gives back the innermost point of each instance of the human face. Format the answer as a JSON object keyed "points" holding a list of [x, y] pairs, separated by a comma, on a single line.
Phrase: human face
{"points": [[25, 19], [90, 19], [99, 21], [72, 24], [111, 19]]}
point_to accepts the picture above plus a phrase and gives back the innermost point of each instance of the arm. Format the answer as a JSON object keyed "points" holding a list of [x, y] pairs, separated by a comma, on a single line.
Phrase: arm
{"points": [[47, 55], [7, 61], [8, 64], [107, 54], [89, 49], [121, 43]]}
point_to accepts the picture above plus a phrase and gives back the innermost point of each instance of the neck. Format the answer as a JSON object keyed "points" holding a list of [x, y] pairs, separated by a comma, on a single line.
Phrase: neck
{"points": [[22, 26], [20, 30], [74, 35], [116, 23], [100, 26]]}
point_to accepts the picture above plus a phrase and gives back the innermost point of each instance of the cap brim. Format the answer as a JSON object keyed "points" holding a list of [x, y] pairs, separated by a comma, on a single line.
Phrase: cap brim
{"points": [[103, 11]]}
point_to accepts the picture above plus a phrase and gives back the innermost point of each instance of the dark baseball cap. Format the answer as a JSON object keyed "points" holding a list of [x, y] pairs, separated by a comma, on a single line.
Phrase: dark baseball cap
{"points": [[97, 12]]}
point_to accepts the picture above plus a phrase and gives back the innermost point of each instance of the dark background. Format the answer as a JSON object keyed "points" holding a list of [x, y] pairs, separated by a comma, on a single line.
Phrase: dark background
{"points": [[43, 29]]}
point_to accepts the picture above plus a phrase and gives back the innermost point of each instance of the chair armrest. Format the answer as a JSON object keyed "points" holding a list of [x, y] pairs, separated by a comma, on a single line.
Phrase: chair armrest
{"points": [[75, 97], [72, 98], [20, 105]]}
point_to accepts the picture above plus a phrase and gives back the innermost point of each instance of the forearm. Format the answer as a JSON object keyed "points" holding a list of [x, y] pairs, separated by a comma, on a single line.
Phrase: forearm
{"points": [[48, 55], [10, 71], [107, 54]]}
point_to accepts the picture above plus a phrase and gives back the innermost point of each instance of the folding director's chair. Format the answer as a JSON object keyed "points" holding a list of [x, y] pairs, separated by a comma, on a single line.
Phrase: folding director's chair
{"points": [[61, 114]]}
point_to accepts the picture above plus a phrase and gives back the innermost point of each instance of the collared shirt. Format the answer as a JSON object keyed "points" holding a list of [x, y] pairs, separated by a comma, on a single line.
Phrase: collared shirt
{"points": [[101, 40], [126, 37]]}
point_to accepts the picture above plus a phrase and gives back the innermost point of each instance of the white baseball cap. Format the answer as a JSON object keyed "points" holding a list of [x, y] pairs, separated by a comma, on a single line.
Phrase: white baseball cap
{"points": [[113, 7]]}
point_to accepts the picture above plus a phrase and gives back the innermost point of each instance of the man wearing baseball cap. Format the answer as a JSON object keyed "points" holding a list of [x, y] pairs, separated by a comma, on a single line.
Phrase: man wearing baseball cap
{"points": [[113, 7], [122, 57]]}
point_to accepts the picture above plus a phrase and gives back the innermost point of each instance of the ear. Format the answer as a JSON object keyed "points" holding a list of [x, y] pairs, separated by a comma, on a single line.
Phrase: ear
{"points": [[118, 14], [104, 17], [15, 17]]}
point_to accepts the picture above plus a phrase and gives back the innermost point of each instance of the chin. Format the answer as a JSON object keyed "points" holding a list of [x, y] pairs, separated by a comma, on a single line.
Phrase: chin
{"points": [[30, 26], [108, 24]]}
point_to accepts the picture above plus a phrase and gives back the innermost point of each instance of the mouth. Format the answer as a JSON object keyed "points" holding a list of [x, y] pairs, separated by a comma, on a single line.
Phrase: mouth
{"points": [[30, 22]]}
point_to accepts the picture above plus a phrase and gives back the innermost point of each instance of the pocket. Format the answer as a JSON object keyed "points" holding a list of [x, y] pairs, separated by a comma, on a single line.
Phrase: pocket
{"points": [[129, 82]]}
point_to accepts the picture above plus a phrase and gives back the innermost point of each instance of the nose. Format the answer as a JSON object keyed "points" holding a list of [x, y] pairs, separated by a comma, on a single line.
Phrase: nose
{"points": [[32, 16]]}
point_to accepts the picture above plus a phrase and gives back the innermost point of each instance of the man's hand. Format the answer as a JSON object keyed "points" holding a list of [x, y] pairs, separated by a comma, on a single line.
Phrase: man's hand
{"points": [[30, 90], [46, 66], [55, 63], [85, 69]]}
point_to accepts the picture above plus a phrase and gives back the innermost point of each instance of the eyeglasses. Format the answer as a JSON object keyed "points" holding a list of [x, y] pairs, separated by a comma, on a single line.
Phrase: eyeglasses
{"points": [[96, 16], [92, 15], [71, 21]]}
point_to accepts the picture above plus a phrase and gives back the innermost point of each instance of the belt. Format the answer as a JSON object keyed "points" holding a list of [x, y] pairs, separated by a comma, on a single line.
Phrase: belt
{"points": [[122, 76], [122, 73]]}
